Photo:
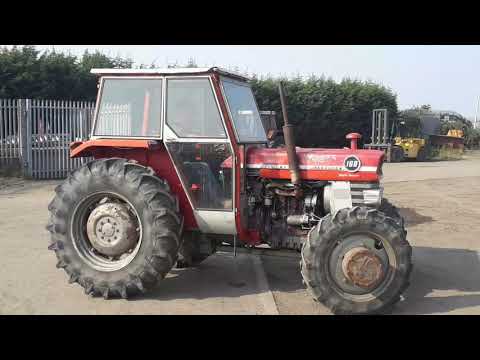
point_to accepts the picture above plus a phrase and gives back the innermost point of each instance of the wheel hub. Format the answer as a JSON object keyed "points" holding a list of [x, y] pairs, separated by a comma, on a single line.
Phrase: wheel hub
{"points": [[111, 229], [362, 267]]}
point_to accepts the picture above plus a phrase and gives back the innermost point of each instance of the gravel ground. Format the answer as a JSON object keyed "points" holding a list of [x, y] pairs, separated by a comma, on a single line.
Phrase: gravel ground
{"points": [[439, 201]]}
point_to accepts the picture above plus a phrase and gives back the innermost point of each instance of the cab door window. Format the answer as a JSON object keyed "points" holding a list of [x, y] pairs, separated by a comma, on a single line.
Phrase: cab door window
{"points": [[206, 171], [192, 111]]}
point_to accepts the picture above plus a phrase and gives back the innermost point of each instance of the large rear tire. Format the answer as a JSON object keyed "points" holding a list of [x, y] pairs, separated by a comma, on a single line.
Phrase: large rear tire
{"points": [[127, 204], [360, 239]]}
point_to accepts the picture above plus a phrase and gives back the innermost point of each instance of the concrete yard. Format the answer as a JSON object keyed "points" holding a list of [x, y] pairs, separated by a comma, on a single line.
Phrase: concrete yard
{"points": [[439, 201]]}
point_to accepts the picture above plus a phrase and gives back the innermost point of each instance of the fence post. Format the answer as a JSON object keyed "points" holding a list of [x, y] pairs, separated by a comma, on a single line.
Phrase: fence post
{"points": [[27, 138], [19, 104], [22, 136]]}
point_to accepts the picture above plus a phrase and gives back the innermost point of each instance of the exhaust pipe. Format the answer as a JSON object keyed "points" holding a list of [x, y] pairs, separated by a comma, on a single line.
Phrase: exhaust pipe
{"points": [[289, 135]]}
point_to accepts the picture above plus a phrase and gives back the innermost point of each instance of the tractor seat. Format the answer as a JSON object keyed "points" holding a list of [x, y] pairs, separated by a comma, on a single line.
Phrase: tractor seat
{"points": [[200, 173]]}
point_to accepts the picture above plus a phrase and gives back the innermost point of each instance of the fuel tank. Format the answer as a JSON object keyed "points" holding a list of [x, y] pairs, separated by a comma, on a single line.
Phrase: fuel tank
{"points": [[318, 164]]}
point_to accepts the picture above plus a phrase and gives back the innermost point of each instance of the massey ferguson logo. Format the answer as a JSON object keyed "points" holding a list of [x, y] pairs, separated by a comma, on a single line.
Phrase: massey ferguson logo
{"points": [[352, 163]]}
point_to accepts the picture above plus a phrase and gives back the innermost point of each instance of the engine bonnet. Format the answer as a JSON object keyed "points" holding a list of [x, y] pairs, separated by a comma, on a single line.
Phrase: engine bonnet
{"points": [[318, 164]]}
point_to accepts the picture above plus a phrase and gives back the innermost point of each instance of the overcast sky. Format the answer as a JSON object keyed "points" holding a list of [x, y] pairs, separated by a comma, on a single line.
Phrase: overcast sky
{"points": [[446, 77]]}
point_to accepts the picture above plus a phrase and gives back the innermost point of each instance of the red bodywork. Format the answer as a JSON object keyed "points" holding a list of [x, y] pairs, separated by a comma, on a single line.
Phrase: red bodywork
{"points": [[316, 164]]}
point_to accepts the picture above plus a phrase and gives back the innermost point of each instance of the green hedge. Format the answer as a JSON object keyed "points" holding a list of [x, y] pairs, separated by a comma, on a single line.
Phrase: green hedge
{"points": [[324, 110], [28, 73]]}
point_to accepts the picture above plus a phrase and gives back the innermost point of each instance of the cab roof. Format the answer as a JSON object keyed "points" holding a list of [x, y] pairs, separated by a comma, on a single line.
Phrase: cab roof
{"points": [[168, 71]]}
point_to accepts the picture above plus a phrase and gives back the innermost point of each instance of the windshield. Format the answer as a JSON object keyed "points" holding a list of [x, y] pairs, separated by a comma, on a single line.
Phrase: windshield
{"points": [[246, 119]]}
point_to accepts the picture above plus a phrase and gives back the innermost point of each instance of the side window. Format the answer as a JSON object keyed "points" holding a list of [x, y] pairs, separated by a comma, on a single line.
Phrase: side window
{"points": [[206, 171], [192, 110], [130, 108]]}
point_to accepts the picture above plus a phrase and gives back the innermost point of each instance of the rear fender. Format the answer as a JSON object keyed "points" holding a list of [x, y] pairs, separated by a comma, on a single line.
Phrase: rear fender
{"points": [[93, 147]]}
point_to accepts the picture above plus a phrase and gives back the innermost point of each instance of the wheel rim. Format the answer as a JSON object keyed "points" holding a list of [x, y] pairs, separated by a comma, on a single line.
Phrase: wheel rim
{"points": [[106, 231], [361, 266]]}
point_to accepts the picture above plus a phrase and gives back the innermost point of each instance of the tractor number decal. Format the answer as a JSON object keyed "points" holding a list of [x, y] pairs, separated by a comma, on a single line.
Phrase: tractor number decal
{"points": [[352, 163]]}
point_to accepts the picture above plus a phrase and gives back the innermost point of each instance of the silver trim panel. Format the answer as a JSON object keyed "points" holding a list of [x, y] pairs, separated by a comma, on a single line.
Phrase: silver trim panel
{"points": [[216, 222]]}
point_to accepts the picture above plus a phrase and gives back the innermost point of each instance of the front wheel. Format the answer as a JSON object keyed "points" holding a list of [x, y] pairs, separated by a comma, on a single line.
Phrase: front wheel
{"points": [[422, 154], [357, 261]]}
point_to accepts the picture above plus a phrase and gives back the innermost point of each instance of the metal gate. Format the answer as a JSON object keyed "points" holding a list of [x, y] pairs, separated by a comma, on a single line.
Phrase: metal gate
{"points": [[38, 133], [10, 140]]}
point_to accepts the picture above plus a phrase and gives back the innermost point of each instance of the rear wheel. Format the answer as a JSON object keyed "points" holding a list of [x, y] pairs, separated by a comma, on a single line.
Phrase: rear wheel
{"points": [[188, 252], [422, 154], [357, 261], [115, 228], [195, 248]]}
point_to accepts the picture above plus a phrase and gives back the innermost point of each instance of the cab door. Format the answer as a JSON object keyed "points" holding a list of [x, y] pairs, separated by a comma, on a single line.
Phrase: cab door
{"points": [[199, 146]]}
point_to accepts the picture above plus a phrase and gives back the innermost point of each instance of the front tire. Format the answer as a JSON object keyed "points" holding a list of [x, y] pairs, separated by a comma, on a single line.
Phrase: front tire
{"points": [[372, 238], [397, 154], [390, 210], [144, 217]]}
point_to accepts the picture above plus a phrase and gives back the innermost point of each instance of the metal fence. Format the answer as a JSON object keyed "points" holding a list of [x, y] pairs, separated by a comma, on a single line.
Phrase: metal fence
{"points": [[37, 134], [10, 147], [116, 119]]}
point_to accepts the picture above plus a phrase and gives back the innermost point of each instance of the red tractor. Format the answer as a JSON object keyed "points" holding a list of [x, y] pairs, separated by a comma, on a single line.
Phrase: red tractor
{"points": [[180, 164]]}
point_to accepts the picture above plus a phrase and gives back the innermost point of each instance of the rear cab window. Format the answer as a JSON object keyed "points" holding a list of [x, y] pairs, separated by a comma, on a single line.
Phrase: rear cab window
{"points": [[130, 107]]}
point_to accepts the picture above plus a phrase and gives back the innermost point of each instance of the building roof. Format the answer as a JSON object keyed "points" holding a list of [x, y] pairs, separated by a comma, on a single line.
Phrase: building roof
{"points": [[168, 71]]}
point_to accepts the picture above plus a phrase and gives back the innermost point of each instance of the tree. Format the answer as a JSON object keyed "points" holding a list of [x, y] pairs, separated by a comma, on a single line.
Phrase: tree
{"points": [[410, 121], [59, 76], [19, 72], [27, 73], [87, 88]]}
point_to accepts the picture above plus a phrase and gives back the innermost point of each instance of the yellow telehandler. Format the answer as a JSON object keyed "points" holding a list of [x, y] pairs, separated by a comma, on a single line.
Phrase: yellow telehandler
{"points": [[413, 148], [398, 144]]}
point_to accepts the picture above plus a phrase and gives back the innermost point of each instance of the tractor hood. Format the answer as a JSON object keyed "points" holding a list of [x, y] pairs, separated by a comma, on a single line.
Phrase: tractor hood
{"points": [[318, 164]]}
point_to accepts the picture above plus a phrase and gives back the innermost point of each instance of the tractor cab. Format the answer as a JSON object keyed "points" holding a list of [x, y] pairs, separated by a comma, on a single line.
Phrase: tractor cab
{"points": [[203, 117]]}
